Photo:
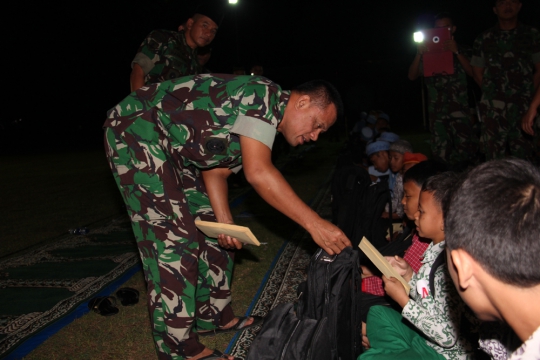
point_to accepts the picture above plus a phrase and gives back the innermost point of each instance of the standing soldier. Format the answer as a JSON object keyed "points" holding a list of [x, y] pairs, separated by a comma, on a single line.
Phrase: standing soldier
{"points": [[452, 135], [166, 55], [171, 147], [506, 65]]}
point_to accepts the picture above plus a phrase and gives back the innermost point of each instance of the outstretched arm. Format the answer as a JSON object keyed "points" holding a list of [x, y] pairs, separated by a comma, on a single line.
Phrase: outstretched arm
{"points": [[414, 69], [274, 189]]}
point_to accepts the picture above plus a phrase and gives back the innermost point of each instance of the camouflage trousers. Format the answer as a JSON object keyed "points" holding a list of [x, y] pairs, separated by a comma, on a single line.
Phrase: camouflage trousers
{"points": [[188, 275], [454, 140], [501, 131]]}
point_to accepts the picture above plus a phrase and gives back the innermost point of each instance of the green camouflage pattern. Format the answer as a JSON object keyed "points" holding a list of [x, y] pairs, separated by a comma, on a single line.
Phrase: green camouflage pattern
{"points": [[452, 135], [168, 55], [508, 59], [156, 143]]}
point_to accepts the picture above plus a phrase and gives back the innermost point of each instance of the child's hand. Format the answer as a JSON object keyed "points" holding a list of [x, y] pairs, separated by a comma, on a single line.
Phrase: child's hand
{"points": [[401, 266], [394, 288]]}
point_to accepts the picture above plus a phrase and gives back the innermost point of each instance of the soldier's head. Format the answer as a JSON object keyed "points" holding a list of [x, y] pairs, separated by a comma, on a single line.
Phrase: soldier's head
{"points": [[312, 108], [443, 20], [507, 9], [200, 30]]}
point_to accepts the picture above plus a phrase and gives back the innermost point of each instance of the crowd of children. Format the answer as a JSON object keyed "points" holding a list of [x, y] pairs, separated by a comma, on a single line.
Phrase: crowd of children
{"points": [[469, 246]]}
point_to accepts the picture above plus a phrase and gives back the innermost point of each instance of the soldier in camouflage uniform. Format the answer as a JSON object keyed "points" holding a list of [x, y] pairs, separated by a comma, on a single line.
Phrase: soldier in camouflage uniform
{"points": [[506, 65], [166, 55], [452, 133], [171, 147]]}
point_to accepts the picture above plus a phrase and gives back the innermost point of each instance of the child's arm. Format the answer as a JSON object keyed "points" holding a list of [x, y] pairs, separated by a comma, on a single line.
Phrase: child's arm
{"points": [[438, 318]]}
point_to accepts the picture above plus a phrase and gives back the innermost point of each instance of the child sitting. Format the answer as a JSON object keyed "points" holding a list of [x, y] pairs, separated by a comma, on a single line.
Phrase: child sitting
{"points": [[435, 316], [377, 152], [493, 240], [396, 152]]}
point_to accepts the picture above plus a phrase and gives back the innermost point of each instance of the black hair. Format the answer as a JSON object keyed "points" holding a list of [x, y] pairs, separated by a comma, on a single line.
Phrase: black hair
{"points": [[422, 171], [441, 185], [444, 15], [494, 215], [323, 94]]}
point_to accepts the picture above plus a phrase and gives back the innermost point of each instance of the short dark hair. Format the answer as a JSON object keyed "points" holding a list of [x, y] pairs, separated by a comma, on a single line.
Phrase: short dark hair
{"points": [[322, 94], [494, 215], [422, 171], [443, 15], [441, 185]]}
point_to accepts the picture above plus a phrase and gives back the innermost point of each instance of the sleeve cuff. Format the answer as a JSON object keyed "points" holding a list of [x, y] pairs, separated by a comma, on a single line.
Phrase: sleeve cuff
{"points": [[478, 61], [144, 62], [254, 128]]}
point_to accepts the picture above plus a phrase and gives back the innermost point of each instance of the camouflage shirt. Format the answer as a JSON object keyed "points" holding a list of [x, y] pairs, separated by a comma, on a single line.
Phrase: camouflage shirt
{"points": [[198, 119], [508, 58], [448, 94], [165, 55]]}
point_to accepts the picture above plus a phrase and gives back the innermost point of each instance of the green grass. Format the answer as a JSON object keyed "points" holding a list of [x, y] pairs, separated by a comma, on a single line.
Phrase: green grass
{"points": [[127, 335], [45, 195], [48, 194]]}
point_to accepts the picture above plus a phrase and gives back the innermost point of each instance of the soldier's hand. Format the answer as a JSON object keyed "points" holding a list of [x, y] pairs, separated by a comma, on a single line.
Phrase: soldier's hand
{"points": [[328, 236], [527, 121], [228, 242], [451, 45]]}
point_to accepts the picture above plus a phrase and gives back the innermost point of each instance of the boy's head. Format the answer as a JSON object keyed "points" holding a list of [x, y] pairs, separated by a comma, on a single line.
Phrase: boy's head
{"points": [[411, 159], [383, 121], [377, 152], [492, 227], [389, 137], [397, 150], [413, 180], [429, 217]]}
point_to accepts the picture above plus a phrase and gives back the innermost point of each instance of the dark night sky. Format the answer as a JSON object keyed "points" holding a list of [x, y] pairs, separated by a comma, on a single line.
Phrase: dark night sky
{"points": [[69, 63]]}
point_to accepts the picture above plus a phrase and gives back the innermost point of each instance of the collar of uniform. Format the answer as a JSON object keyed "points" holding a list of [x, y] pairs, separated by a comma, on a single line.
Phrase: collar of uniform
{"points": [[518, 27], [182, 37], [283, 101], [433, 251]]}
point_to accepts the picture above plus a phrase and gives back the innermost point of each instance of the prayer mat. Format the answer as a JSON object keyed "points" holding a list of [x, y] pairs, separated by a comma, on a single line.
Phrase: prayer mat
{"points": [[286, 272], [48, 286]]}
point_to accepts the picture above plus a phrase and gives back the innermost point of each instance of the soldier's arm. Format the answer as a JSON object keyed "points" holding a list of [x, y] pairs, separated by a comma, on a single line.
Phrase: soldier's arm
{"points": [[137, 77], [274, 189], [478, 74], [215, 181], [536, 79], [465, 63], [414, 69], [528, 118]]}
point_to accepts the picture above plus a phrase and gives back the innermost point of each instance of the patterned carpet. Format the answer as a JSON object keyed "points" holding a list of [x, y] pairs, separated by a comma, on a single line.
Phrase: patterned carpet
{"points": [[47, 287], [282, 279]]}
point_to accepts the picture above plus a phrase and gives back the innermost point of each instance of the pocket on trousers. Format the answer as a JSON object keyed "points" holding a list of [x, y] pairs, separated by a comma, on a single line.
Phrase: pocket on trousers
{"points": [[144, 195]]}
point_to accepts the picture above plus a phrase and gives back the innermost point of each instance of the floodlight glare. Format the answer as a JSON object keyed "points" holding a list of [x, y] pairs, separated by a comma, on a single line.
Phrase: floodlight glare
{"points": [[233, 1], [418, 37]]}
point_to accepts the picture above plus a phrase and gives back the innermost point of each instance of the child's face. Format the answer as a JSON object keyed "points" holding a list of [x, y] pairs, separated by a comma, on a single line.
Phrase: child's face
{"points": [[411, 192], [396, 161], [380, 160], [429, 218]]}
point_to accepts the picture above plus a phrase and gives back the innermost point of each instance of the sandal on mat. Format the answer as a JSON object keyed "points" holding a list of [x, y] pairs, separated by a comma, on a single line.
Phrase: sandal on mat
{"points": [[216, 355], [127, 296], [239, 326], [105, 306]]}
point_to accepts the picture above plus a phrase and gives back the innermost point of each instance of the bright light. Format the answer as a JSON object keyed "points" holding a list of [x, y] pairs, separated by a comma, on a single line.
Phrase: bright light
{"points": [[233, 1], [418, 37]]}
